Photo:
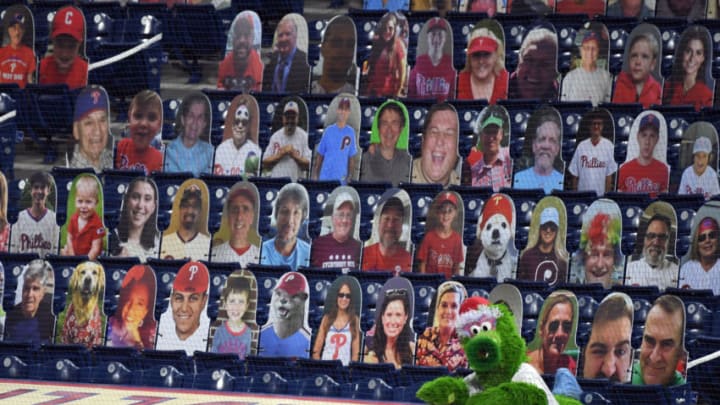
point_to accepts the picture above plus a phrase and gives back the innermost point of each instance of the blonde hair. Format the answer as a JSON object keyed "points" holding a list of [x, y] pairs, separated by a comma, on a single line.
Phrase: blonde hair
{"points": [[500, 52], [87, 184]]}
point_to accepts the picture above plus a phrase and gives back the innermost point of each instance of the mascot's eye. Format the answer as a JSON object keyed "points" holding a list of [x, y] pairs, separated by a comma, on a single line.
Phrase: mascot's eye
{"points": [[504, 225], [475, 329], [486, 326]]}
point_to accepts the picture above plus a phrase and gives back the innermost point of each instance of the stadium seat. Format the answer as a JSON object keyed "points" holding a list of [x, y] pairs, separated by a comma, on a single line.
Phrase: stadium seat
{"points": [[214, 380], [477, 286]]}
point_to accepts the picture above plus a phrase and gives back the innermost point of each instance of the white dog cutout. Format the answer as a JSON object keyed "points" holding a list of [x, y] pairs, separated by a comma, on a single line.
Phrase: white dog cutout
{"points": [[496, 232]]}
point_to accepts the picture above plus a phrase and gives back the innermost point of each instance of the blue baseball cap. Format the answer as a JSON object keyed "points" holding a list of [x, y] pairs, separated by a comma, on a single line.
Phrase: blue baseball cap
{"points": [[90, 99]]}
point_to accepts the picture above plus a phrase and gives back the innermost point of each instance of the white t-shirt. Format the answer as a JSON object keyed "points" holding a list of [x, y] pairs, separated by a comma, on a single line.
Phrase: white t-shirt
{"points": [[639, 272], [287, 166], [581, 85], [692, 275]]}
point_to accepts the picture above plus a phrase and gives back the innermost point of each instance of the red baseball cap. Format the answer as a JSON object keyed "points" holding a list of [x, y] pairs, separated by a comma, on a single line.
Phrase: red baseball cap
{"points": [[482, 44], [293, 283], [448, 197], [69, 21], [193, 277]]}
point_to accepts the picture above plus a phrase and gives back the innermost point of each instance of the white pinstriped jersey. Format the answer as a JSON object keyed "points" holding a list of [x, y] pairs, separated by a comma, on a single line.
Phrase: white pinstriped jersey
{"points": [[35, 235]]}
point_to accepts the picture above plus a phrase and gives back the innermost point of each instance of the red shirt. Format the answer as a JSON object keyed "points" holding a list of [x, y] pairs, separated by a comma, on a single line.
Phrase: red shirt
{"points": [[625, 91], [16, 64], [82, 239], [500, 87], [636, 178], [75, 78], [127, 157], [374, 260], [698, 96], [254, 70], [441, 255]]}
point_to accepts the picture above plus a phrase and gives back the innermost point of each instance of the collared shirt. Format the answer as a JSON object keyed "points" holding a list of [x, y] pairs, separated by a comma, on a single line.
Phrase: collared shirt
{"points": [[284, 64], [497, 174]]}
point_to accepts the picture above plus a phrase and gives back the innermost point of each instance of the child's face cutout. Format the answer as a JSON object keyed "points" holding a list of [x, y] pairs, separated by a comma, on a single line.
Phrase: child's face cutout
{"points": [[236, 305], [642, 61], [65, 49], [145, 123], [85, 202]]}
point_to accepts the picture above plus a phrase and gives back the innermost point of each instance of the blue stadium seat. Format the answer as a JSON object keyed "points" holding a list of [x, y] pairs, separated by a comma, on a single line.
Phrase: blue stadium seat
{"points": [[369, 194], [370, 283], [477, 286], [331, 368], [365, 22], [115, 184], [269, 382], [619, 30], [571, 114], [462, 24], [319, 281], [219, 103], [317, 105], [165, 273], [375, 389], [115, 270], [267, 278], [702, 376], [167, 185], [623, 116], [218, 187], [318, 192], [567, 27], [519, 112], [319, 386], [268, 188], [214, 380], [678, 119], [63, 267], [626, 394], [202, 32], [16, 359]]}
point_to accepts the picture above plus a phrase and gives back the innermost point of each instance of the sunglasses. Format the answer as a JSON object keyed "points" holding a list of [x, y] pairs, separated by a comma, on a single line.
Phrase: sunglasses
{"points": [[344, 295], [659, 236], [554, 325], [396, 292], [711, 235]]}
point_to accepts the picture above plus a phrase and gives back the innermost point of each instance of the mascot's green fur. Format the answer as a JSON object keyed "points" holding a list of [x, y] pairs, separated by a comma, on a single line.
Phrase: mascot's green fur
{"points": [[496, 353]]}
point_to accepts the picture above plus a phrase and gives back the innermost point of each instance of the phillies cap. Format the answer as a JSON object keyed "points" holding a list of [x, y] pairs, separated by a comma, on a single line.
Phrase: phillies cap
{"points": [[449, 198], [650, 120], [68, 21], [291, 106], [90, 99], [498, 204], [482, 44], [193, 278], [293, 283], [436, 23], [590, 36]]}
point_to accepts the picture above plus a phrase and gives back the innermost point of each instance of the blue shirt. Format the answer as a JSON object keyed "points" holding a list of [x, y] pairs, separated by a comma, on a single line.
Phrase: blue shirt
{"points": [[337, 147], [197, 159], [528, 179], [295, 345], [300, 256]]}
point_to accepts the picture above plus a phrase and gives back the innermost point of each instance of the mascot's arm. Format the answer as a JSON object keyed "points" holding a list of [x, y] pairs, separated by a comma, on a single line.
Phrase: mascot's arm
{"points": [[444, 391], [510, 393]]}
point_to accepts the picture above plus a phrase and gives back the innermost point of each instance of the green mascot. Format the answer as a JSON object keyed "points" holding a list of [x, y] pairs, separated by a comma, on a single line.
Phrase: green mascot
{"points": [[496, 355]]}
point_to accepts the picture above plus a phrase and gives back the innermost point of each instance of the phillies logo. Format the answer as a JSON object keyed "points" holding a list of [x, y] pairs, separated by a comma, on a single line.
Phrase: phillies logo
{"points": [[193, 270], [95, 95], [345, 142]]}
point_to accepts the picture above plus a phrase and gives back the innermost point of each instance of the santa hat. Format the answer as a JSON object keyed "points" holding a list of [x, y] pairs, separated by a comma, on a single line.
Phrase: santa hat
{"points": [[475, 310], [497, 204]]}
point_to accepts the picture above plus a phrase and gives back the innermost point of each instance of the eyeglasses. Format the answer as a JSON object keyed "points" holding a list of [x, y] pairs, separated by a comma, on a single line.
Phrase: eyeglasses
{"points": [[662, 237], [554, 325], [703, 236], [344, 295]]}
